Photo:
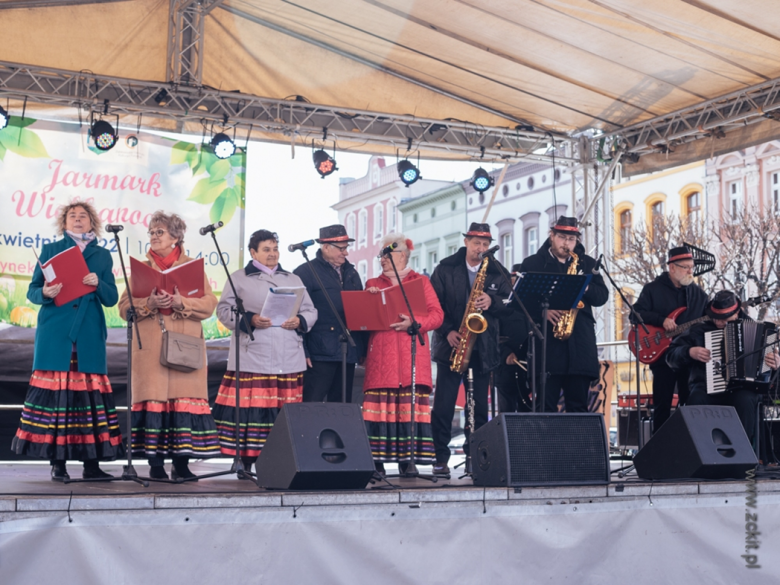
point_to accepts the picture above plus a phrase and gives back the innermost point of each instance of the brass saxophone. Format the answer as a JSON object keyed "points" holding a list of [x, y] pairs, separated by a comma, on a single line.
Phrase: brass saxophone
{"points": [[565, 325], [473, 324]]}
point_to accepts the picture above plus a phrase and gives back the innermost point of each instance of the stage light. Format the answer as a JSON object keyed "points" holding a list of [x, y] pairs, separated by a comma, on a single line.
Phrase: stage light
{"points": [[4, 118], [324, 163], [162, 97], [408, 173], [103, 134], [223, 146], [481, 180]]}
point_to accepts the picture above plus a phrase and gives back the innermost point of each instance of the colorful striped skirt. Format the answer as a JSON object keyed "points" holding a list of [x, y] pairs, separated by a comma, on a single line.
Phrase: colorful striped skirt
{"points": [[261, 398], [388, 416], [69, 415], [180, 427]]}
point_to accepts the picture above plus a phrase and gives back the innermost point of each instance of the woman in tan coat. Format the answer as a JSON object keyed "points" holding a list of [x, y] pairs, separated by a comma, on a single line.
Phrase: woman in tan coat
{"points": [[171, 414]]}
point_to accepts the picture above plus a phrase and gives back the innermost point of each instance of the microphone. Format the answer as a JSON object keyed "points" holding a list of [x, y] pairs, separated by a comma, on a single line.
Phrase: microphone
{"points": [[599, 262], [210, 228], [301, 246], [489, 252], [114, 228], [389, 249]]}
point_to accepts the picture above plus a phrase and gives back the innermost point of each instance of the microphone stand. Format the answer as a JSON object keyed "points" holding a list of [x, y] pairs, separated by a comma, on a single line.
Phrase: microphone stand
{"points": [[345, 337], [636, 322], [128, 471], [239, 315]]}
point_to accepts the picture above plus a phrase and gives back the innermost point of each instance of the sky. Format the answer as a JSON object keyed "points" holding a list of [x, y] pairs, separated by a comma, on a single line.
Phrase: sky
{"points": [[286, 195]]}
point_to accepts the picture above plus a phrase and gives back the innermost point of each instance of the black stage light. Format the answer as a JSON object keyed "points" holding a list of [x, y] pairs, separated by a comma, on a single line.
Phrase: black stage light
{"points": [[223, 146], [4, 118], [481, 180], [103, 134], [324, 163], [162, 97], [408, 172]]}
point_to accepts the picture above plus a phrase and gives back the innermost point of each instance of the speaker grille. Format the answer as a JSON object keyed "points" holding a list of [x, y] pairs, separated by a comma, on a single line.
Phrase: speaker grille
{"points": [[557, 449]]}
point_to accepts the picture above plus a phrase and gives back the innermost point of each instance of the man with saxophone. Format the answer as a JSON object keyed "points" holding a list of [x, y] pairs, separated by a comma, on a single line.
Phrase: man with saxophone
{"points": [[572, 358], [457, 281]]}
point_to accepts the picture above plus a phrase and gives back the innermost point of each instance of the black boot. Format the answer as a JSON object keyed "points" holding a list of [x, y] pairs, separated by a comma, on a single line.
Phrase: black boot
{"points": [[92, 470], [181, 469], [247, 461], [157, 468], [58, 471]]}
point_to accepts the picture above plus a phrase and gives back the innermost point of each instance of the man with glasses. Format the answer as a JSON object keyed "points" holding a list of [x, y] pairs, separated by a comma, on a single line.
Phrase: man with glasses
{"points": [[322, 381], [672, 289]]}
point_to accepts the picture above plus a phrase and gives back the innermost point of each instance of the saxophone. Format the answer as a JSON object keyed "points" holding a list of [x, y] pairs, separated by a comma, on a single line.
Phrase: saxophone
{"points": [[473, 324], [565, 325]]}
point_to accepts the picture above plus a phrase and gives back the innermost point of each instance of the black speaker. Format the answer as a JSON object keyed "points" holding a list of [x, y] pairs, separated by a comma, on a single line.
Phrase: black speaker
{"points": [[316, 445], [706, 442], [525, 449]]}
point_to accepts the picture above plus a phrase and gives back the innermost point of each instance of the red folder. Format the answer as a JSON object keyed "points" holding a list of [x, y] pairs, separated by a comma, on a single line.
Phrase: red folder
{"points": [[188, 277], [68, 269], [376, 312]]}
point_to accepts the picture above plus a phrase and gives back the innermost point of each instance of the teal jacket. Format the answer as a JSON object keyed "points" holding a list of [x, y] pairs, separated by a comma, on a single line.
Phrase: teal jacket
{"points": [[80, 321]]}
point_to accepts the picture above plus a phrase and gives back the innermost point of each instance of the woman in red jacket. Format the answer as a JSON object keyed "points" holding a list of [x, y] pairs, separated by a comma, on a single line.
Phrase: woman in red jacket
{"points": [[388, 381]]}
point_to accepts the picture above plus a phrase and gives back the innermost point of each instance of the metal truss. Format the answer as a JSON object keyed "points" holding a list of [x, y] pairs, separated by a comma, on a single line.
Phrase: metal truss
{"points": [[186, 37], [277, 120], [711, 118]]}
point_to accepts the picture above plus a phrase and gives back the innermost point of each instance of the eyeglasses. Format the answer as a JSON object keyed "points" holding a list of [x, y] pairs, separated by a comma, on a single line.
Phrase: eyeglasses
{"points": [[341, 249], [686, 268], [566, 239], [157, 233]]}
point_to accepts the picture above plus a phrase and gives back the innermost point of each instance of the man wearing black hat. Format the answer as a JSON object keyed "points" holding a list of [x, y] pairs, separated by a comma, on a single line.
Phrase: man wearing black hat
{"points": [[687, 354], [322, 381], [573, 363], [674, 288], [453, 280]]}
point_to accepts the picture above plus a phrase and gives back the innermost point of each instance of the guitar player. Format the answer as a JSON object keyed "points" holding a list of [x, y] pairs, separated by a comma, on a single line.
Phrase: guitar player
{"points": [[673, 289]]}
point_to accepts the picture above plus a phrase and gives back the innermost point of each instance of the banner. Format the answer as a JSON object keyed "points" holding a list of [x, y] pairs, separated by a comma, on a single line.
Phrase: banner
{"points": [[44, 165]]}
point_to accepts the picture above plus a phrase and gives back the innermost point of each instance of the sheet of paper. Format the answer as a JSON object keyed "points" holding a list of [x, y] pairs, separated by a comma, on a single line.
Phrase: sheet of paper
{"points": [[282, 304]]}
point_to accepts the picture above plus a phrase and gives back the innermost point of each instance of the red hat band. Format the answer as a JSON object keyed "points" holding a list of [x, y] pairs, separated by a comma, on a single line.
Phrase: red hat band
{"points": [[479, 234], [566, 228], [680, 257], [730, 309], [337, 239]]}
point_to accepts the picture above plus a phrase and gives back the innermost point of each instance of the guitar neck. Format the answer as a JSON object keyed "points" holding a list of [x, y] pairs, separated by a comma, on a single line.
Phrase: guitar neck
{"points": [[679, 330]]}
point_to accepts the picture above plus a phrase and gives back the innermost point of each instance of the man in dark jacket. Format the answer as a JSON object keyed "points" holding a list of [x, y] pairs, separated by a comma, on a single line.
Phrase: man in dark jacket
{"points": [[687, 355], [513, 395], [673, 289], [571, 364], [322, 381], [453, 280]]}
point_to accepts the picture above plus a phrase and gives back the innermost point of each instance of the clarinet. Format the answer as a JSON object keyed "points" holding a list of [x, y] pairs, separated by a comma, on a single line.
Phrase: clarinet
{"points": [[470, 404]]}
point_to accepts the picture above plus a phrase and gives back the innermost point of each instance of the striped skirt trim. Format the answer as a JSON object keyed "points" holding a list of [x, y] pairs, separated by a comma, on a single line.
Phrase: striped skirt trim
{"points": [[180, 427], [261, 398], [387, 413]]}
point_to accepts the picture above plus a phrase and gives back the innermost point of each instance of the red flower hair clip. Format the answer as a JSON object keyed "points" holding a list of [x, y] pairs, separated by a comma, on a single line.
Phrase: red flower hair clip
{"points": [[409, 244]]}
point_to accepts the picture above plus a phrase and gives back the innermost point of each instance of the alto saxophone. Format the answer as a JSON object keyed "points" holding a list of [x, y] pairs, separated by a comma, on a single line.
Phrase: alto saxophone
{"points": [[473, 324], [565, 325]]}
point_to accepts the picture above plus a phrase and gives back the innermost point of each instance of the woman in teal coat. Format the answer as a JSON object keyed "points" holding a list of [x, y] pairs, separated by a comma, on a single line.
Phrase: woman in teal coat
{"points": [[69, 410]]}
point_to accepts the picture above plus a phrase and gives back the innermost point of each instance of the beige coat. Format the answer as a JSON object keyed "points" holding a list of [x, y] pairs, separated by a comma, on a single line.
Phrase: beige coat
{"points": [[152, 381]]}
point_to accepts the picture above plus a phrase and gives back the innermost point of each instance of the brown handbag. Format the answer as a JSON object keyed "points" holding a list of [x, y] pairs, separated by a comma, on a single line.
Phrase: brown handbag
{"points": [[181, 352]]}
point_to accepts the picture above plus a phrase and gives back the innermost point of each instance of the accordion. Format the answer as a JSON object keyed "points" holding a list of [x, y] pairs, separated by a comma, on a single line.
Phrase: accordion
{"points": [[737, 356]]}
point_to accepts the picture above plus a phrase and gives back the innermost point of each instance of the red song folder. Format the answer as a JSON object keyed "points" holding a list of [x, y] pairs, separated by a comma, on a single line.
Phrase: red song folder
{"points": [[376, 312], [187, 277], [67, 268]]}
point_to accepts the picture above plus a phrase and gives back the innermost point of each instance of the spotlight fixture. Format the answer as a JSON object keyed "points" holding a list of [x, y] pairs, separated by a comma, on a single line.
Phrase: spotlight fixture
{"points": [[481, 180], [162, 97], [408, 173], [324, 163], [103, 134], [223, 146], [4, 118]]}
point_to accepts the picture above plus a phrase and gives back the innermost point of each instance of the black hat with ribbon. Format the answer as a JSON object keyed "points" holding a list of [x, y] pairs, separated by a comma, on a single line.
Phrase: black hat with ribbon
{"points": [[723, 305], [566, 225], [479, 230], [334, 233], [680, 253]]}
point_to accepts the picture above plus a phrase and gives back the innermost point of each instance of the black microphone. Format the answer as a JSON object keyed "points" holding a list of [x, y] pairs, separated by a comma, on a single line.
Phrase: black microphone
{"points": [[114, 228], [599, 262], [210, 228], [389, 249], [301, 246], [489, 252]]}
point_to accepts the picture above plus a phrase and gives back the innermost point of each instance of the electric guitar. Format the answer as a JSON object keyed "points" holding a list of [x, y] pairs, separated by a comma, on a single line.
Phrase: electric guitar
{"points": [[653, 345]]}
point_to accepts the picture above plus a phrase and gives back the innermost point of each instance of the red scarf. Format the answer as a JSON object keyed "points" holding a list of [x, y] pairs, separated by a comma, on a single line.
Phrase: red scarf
{"points": [[166, 262]]}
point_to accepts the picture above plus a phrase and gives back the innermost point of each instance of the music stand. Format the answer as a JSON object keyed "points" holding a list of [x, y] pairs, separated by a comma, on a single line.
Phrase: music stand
{"points": [[559, 292]]}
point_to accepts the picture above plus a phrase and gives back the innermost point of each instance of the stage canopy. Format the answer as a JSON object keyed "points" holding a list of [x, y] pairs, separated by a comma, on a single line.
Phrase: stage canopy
{"points": [[559, 66]]}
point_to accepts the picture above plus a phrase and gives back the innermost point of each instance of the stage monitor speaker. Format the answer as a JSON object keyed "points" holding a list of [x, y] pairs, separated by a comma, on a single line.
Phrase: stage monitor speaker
{"points": [[316, 445], [704, 442], [525, 449]]}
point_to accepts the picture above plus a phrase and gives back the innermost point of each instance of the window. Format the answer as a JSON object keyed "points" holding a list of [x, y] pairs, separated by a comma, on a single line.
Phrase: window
{"points": [[415, 263], [392, 216], [532, 240], [377, 268], [362, 228], [433, 212], [414, 218], [363, 271], [433, 260], [379, 221], [351, 228], [693, 207], [625, 230], [507, 255], [735, 199], [774, 191], [453, 205], [655, 214], [657, 209], [452, 249]]}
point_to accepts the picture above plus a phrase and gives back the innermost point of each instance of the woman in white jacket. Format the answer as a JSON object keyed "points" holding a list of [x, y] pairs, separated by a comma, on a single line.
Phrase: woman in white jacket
{"points": [[272, 365]]}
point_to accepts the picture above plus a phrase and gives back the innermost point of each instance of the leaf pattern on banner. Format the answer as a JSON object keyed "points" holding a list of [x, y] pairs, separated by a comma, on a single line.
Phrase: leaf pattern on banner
{"points": [[222, 182], [17, 138]]}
